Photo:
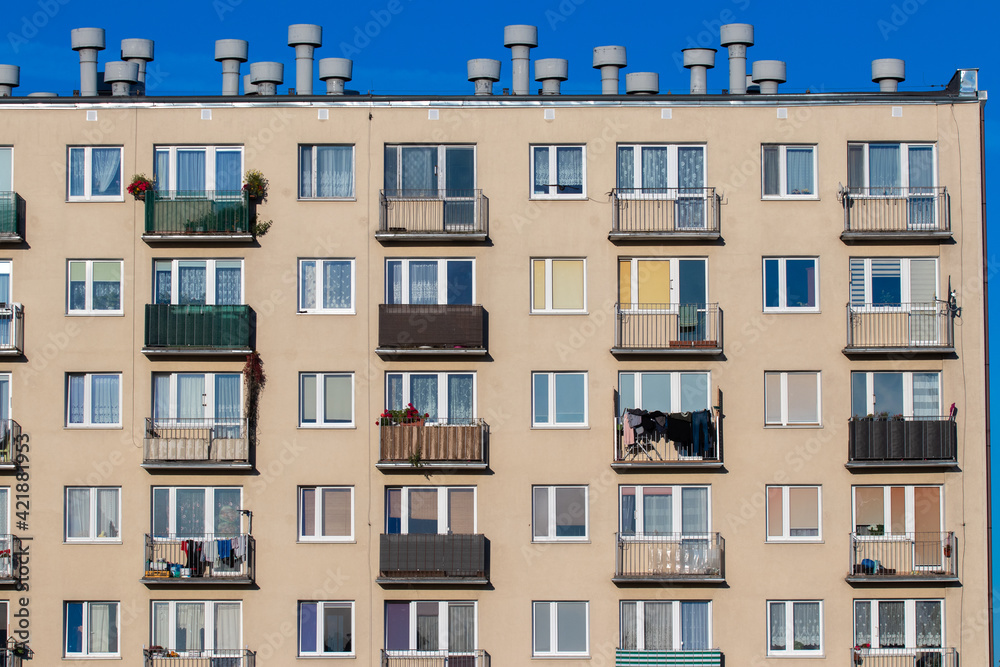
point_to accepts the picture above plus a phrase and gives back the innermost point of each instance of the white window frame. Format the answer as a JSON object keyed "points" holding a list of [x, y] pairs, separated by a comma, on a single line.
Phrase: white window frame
{"points": [[209, 522], [548, 309], [554, 651], [786, 514], [210, 274], [210, 151], [441, 169], [442, 264], [443, 405], [553, 192], [444, 527], [209, 628], [551, 422], [9, 149], [904, 167], [909, 507], [443, 606], [905, 296], [93, 530], [676, 394], [783, 306], [673, 171], [88, 310], [319, 309], [312, 186], [552, 515], [907, 389], [318, 513], [675, 282], [87, 653], [321, 400], [909, 622], [783, 171], [790, 630], [7, 268], [785, 422], [88, 165], [677, 516], [321, 630], [208, 398], [675, 618], [88, 379]]}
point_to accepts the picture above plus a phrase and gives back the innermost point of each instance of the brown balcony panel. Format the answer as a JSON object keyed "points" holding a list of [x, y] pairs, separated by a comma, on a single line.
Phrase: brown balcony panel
{"points": [[207, 559], [456, 444], [195, 443], [431, 329], [903, 558], [909, 442], [896, 214], [670, 558], [432, 559], [914, 328]]}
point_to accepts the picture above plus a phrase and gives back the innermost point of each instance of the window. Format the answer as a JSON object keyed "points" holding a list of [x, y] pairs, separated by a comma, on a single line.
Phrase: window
{"points": [[559, 513], [558, 172], [649, 625], [665, 510], [791, 398], [93, 399], [449, 627], [430, 510], [795, 628], [95, 287], [890, 394], [199, 171], [661, 284], [196, 400], [447, 398], [902, 511], [326, 629], [6, 169], [184, 511], [326, 172], [430, 281], [559, 285], [893, 282], [213, 628], [663, 391], [888, 624], [5, 383], [326, 400], [326, 513], [666, 172], [426, 171], [891, 169], [559, 399], [560, 629], [91, 629], [326, 286], [93, 514], [789, 171], [95, 174], [794, 513], [198, 282], [791, 284]]}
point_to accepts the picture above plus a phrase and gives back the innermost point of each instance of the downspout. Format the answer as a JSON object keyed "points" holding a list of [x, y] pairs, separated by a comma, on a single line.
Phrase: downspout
{"points": [[986, 333]]}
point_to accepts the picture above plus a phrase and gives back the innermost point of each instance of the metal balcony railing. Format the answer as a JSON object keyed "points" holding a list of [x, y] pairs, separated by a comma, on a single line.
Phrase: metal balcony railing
{"points": [[11, 329], [441, 214], [441, 328], [670, 556], [220, 657], [198, 328], [12, 216], [677, 212], [440, 443], [688, 658], [904, 657], [900, 440], [902, 212], [880, 327], [205, 214], [439, 558], [876, 556], [194, 559], [649, 450], [12, 656], [474, 658], [668, 328], [221, 441], [10, 435], [10, 559]]}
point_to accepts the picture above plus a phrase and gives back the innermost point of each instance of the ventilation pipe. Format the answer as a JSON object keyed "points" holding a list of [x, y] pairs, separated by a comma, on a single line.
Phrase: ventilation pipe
{"points": [[140, 52], [335, 72], [231, 52], [887, 73], [10, 77], [121, 75], [551, 71], [248, 87], [305, 38], [42, 95], [267, 76], [737, 37], [699, 61], [768, 74], [520, 39], [609, 59], [484, 72], [642, 83], [88, 41]]}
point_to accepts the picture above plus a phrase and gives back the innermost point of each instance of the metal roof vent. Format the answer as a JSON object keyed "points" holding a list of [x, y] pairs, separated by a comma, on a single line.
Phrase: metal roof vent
{"points": [[10, 77], [609, 59], [699, 61], [887, 73], [121, 75], [520, 39], [88, 41], [267, 76], [305, 38], [737, 37], [335, 72], [140, 52], [231, 52], [642, 83], [248, 87], [484, 72], [768, 74], [42, 95], [551, 71]]}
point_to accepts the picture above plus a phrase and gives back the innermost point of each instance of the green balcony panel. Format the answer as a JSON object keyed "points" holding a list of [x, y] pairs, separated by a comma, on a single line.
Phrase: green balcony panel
{"points": [[197, 214], [198, 328], [11, 215]]}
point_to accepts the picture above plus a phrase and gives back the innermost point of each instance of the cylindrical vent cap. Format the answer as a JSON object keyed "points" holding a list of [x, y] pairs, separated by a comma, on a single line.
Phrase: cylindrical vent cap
{"points": [[119, 71], [642, 83], [232, 49], [888, 68], [699, 58], [87, 38], [736, 33], [768, 70], [10, 75], [484, 68], [520, 35], [137, 49], [551, 68], [335, 68], [609, 55], [305, 33], [267, 72]]}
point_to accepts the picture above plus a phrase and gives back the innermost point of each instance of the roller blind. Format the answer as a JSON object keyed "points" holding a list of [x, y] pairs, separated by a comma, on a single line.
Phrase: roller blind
{"points": [[654, 281], [308, 512], [461, 511], [336, 512], [337, 395], [803, 511], [567, 284]]}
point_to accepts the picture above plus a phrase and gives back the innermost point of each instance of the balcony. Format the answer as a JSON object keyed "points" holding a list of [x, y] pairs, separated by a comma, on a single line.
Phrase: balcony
{"points": [[668, 328], [896, 214], [12, 217], [195, 443], [906, 558], [706, 658], [450, 444], [10, 560], [10, 436], [14, 653], [475, 658], [198, 329], [220, 657], [647, 450], [902, 442], [11, 330], [199, 560], [674, 558], [433, 215], [904, 657], [432, 559], [190, 215], [431, 329], [664, 214], [900, 328]]}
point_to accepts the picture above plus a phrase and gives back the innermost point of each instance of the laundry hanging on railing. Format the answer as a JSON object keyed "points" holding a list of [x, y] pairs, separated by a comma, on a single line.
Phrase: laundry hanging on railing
{"points": [[695, 431]]}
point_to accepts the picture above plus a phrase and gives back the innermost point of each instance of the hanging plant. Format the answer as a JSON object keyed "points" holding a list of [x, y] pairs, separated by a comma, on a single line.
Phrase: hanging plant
{"points": [[256, 188], [139, 186], [254, 380]]}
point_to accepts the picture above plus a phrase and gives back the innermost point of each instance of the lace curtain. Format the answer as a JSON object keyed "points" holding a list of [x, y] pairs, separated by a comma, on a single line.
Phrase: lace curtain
{"points": [[77, 171], [423, 282], [227, 285], [892, 624], [884, 168], [805, 626], [799, 171], [334, 174], [541, 157], [191, 284], [659, 628], [654, 167], [424, 394], [928, 624], [104, 399], [777, 631], [569, 168], [336, 284], [76, 391], [626, 167]]}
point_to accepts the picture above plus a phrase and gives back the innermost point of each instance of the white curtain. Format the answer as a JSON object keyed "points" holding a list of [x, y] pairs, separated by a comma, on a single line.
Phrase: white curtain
{"points": [[461, 628], [191, 171], [227, 284], [336, 284], [161, 624], [77, 171], [541, 157], [77, 513], [659, 627], [306, 173], [107, 512], [76, 392], [227, 405], [190, 626], [626, 167], [928, 624], [569, 169], [460, 398], [628, 626], [161, 170], [926, 395], [106, 172], [891, 624], [334, 176], [694, 511], [161, 396], [191, 283], [654, 167], [104, 399], [694, 626], [227, 626], [394, 391], [190, 396], [227, 172], [862, 622], [805, 625], [799, 172], [394, 282], [103, 627], [424, 394], [777, 631], [691, 167], [307, 296], [423, 282], [884, 168], [163, 282]]}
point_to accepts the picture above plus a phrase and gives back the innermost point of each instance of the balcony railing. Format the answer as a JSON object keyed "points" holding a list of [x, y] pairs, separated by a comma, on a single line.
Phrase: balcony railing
{"points": [[439, 559], [668, 328], [670, 557], [900, 327], [195, 442], [900, 213], [12, 217], [902, 441], [10, 559], [690, 658], [904, 657], [197, 215], [443, 443], [903, 557], [192, 329], [451, 214], [677, 213], [431, 329], [11, 329], [220, 657], [651, 449], [199, 559], [10, 435], [475, 658], [12, 656]]}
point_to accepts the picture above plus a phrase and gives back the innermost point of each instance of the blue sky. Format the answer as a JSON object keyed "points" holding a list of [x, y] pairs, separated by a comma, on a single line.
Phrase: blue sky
{"points": [[412, 46]]}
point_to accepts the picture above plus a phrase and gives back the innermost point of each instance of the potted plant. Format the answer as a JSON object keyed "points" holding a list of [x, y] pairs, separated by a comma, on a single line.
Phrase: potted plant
{"points": [[255, 185], [859, 652], [139, 186], [409, 416]]}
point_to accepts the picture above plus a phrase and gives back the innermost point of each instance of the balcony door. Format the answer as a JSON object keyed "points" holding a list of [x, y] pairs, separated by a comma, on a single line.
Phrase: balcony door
{"points": [[198, 282], [198, 172], [196, 512], [887, 289], [430, 281], [908, 519], [199, 400], [200, 629], [675, 289], [6, 169], [446, 173], [896, 394], [430, 510], [447, 629], [897, 171], [446, 398], [898, 628]]}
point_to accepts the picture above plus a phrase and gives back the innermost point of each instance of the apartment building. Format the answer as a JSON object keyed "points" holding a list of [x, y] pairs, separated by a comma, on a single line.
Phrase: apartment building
{"points": [[695, 379]]}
